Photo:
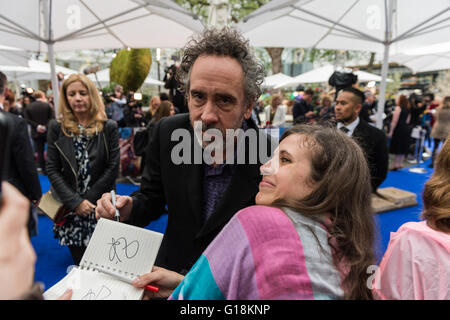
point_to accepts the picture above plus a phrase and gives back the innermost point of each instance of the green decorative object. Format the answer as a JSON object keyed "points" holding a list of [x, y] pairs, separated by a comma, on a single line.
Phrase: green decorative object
{"points": [[130, 67]]}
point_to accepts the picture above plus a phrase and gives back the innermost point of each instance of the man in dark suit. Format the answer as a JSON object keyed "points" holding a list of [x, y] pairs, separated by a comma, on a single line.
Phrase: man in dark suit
{"points": [[372, 140], [21, 168], [368, 107], [303, 109], [38, 114], [201, 195]]}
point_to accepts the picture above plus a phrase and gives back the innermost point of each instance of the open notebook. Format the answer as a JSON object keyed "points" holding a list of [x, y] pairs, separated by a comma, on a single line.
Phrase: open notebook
{"points": [[117, 253]]}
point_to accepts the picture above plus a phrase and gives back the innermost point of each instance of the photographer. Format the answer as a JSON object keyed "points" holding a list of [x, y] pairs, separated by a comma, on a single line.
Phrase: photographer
{"points": [[133, 115], [115, 104], [175, 94]]}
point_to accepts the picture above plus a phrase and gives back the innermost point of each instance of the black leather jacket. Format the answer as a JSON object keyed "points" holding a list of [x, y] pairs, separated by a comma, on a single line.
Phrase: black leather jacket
{"points": [[62, 168]]}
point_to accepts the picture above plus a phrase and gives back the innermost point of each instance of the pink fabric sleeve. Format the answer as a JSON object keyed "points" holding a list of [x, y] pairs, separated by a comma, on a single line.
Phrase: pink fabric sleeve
{"points": [[416, 265]]}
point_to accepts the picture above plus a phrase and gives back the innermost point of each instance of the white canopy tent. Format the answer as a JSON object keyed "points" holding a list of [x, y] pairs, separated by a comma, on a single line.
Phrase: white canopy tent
{"points": [[322, 74], [381, 26], [36, 70], [49, 25], [13, 57], [103, 79], [275, 80], [424, 63]]}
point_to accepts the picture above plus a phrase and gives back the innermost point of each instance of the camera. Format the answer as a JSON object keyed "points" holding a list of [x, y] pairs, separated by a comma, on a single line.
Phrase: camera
{"points": [[341, 80], [171, 70], [107, 97], [134, 100], [26, 92]]}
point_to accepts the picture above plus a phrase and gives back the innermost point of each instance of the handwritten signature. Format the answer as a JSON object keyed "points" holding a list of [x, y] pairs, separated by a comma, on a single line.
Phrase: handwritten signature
{"points": [[102, 294], [130, 250]]}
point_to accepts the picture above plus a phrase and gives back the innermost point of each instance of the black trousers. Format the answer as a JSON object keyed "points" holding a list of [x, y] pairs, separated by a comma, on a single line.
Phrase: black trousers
{"points": [[39, 144], [435, 148]]}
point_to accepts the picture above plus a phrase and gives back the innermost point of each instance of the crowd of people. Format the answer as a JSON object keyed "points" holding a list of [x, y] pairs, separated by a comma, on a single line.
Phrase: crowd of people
{"points": [[400, 116], [300, 225]]}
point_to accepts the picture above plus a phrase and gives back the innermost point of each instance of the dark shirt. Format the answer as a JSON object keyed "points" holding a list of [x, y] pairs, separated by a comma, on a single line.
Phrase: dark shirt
{"points": [[300, 108], [416, 113], [215, 181], [38, 113]]}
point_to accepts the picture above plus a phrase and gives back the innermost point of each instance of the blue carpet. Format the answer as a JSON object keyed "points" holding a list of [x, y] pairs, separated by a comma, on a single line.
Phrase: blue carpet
{"points": [[390, 221], [53, 259]]}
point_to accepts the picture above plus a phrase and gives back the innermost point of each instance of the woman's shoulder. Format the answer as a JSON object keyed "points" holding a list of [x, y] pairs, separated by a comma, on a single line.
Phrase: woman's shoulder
{"points": [[110, 124], [259, 211], [259, 217], [418, 235], [54, 123], [54, 126]]}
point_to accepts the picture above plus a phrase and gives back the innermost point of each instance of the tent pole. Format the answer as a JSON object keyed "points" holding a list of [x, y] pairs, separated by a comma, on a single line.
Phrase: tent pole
{"points": [[54, 79], [47, 11], [382, 95], [390, 7]]}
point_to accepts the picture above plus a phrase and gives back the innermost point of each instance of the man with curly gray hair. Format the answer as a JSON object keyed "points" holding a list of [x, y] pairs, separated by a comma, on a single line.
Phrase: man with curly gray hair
{"points": [[222, 79], [224, 43]]}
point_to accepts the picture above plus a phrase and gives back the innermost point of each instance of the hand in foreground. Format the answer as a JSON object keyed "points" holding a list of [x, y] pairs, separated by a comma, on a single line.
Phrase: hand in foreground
{"points": [[105, 208], [84, 208], [67, 295], [17, 256], [41, 128], [164, 279]]}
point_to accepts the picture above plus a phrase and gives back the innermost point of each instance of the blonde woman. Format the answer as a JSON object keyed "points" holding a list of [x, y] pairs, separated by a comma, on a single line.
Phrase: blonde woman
{"points": [[82, 160], [276, 112]]}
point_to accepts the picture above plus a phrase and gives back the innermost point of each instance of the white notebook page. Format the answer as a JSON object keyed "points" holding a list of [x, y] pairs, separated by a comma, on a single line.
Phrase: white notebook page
{"points": [[123, 249], [117, 248], [93, 285]]}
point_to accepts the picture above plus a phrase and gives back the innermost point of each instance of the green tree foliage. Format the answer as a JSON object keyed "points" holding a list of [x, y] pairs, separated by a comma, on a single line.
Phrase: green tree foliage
{"points": [[130, 68], [239, 8], [393, 87], [442, 84], [328, 55]]}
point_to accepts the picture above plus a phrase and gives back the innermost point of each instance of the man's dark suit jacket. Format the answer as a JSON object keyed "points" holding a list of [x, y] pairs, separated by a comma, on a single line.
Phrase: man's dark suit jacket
{"points": [[38, 112], [373, 141], [21, 169], [299, 110], [181, 188]]}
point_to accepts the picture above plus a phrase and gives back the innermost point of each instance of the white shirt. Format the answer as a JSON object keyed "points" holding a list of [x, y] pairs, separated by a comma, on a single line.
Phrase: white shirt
{"points": [[351, 126], [279, 119]]}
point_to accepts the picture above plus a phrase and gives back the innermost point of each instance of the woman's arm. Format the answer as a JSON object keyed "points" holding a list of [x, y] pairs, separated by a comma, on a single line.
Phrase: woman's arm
{"points": [[66, 194], [164, 279], [111, 171], [280, 116], [395, 117]]}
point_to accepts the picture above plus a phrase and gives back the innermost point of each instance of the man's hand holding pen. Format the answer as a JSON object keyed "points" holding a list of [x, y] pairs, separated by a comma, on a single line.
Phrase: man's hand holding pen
{"points": [[106, 209]]}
